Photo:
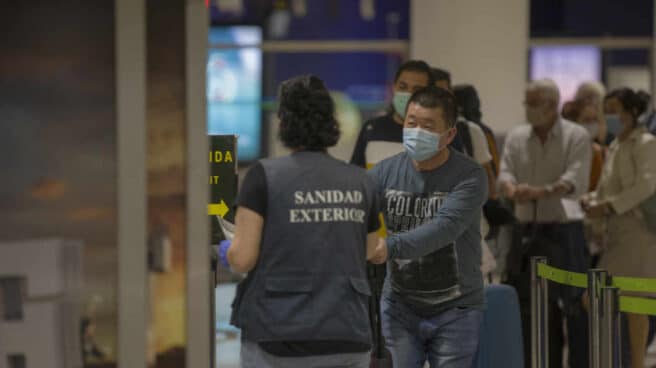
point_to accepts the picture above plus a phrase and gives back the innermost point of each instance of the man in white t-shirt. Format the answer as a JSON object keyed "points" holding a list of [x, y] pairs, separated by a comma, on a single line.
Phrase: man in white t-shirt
{"points": [[480, 152], [474, 144]]}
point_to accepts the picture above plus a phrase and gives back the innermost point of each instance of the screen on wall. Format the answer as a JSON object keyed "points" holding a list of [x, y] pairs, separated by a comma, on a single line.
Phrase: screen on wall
{"points": [[568, 66], [234, 87]]}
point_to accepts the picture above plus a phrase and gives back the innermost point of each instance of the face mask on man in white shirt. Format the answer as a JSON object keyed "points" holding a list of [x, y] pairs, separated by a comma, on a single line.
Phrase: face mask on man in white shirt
{"points": [[538, 116]]}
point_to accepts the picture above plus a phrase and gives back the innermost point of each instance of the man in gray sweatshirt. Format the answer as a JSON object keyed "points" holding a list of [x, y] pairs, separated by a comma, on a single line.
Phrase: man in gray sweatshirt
{"points": [[432, 200]]}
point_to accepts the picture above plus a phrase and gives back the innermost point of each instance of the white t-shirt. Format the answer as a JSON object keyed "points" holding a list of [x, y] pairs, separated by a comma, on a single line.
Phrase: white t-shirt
{"points": [[482, 155], [479, 144]]}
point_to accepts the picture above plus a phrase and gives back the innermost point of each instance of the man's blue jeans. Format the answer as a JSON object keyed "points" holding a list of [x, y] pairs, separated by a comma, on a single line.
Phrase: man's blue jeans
{"points": [[447, 340]]}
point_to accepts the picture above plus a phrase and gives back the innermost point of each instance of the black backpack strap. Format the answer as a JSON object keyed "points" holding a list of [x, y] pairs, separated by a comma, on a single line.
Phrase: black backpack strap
{"points": [[457, 145], [465, 136], [492, 146]]}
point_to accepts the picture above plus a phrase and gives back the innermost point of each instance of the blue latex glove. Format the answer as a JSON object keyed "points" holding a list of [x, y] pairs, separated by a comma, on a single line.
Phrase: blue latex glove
{"points": [[223, 252]]}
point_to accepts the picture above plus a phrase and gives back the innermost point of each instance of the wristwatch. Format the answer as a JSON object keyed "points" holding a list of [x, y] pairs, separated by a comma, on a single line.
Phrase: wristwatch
{"points": [[549, 189]]}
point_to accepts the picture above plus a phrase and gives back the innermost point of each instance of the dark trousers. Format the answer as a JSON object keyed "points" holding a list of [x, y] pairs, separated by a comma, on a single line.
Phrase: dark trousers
{"points": [[565, 247]]}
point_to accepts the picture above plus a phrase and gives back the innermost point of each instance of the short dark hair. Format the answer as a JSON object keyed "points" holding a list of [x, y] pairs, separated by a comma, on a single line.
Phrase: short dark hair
{"points": [[634, 102], [440, 75], [433, 97], [306, 112], [418, 66]]}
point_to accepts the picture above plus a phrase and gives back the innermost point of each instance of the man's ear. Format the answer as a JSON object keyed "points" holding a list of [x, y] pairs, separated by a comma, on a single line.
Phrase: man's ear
{"points": [[448, 137], [451, 135]]}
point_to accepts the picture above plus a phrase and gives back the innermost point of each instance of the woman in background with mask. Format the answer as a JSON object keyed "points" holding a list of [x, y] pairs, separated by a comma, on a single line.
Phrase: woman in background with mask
{"points": [[628, 179], [590, 117], [612, 107], [591, 93]]}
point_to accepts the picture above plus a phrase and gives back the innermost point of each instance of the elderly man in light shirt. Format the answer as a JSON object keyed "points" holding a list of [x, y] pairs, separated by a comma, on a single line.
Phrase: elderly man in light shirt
{"points": [[545, 168]]}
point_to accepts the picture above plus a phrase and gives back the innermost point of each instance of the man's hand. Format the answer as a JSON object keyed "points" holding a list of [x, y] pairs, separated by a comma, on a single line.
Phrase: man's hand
{"points": [[522, 193], [595, 209], [585, 200], [526, 193], [380, 254], [508, 190]]}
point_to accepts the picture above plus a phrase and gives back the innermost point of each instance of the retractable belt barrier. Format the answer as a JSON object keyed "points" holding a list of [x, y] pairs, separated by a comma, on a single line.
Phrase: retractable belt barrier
{"points": [[604, 307], [627, 304]]}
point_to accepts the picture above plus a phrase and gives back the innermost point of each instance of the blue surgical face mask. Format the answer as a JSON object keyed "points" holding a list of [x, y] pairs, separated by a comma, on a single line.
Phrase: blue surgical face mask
{"points": [[614, 124], [400, 102], [420, 144]]}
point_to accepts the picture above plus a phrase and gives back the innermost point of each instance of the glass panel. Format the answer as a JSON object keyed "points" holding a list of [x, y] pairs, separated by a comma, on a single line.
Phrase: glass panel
{"points": [[59, 181]]}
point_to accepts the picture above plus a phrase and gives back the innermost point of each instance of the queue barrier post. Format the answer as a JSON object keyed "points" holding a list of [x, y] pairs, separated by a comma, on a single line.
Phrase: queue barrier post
{"points": [[604, 312], [539, 316], [610, 328], [597, 278]]}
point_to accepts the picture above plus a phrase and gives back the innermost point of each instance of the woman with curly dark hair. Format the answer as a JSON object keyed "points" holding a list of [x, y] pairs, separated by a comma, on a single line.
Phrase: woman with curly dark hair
{"points": [[305, 226], [627, 184], [306, 113]]}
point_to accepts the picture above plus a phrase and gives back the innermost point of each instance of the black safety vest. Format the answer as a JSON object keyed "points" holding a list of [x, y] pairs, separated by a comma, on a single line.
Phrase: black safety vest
{"points": [[310, 282]]}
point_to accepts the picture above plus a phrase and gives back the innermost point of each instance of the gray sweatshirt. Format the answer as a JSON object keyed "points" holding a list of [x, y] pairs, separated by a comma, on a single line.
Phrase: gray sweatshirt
{"points": [[434, 242]]}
